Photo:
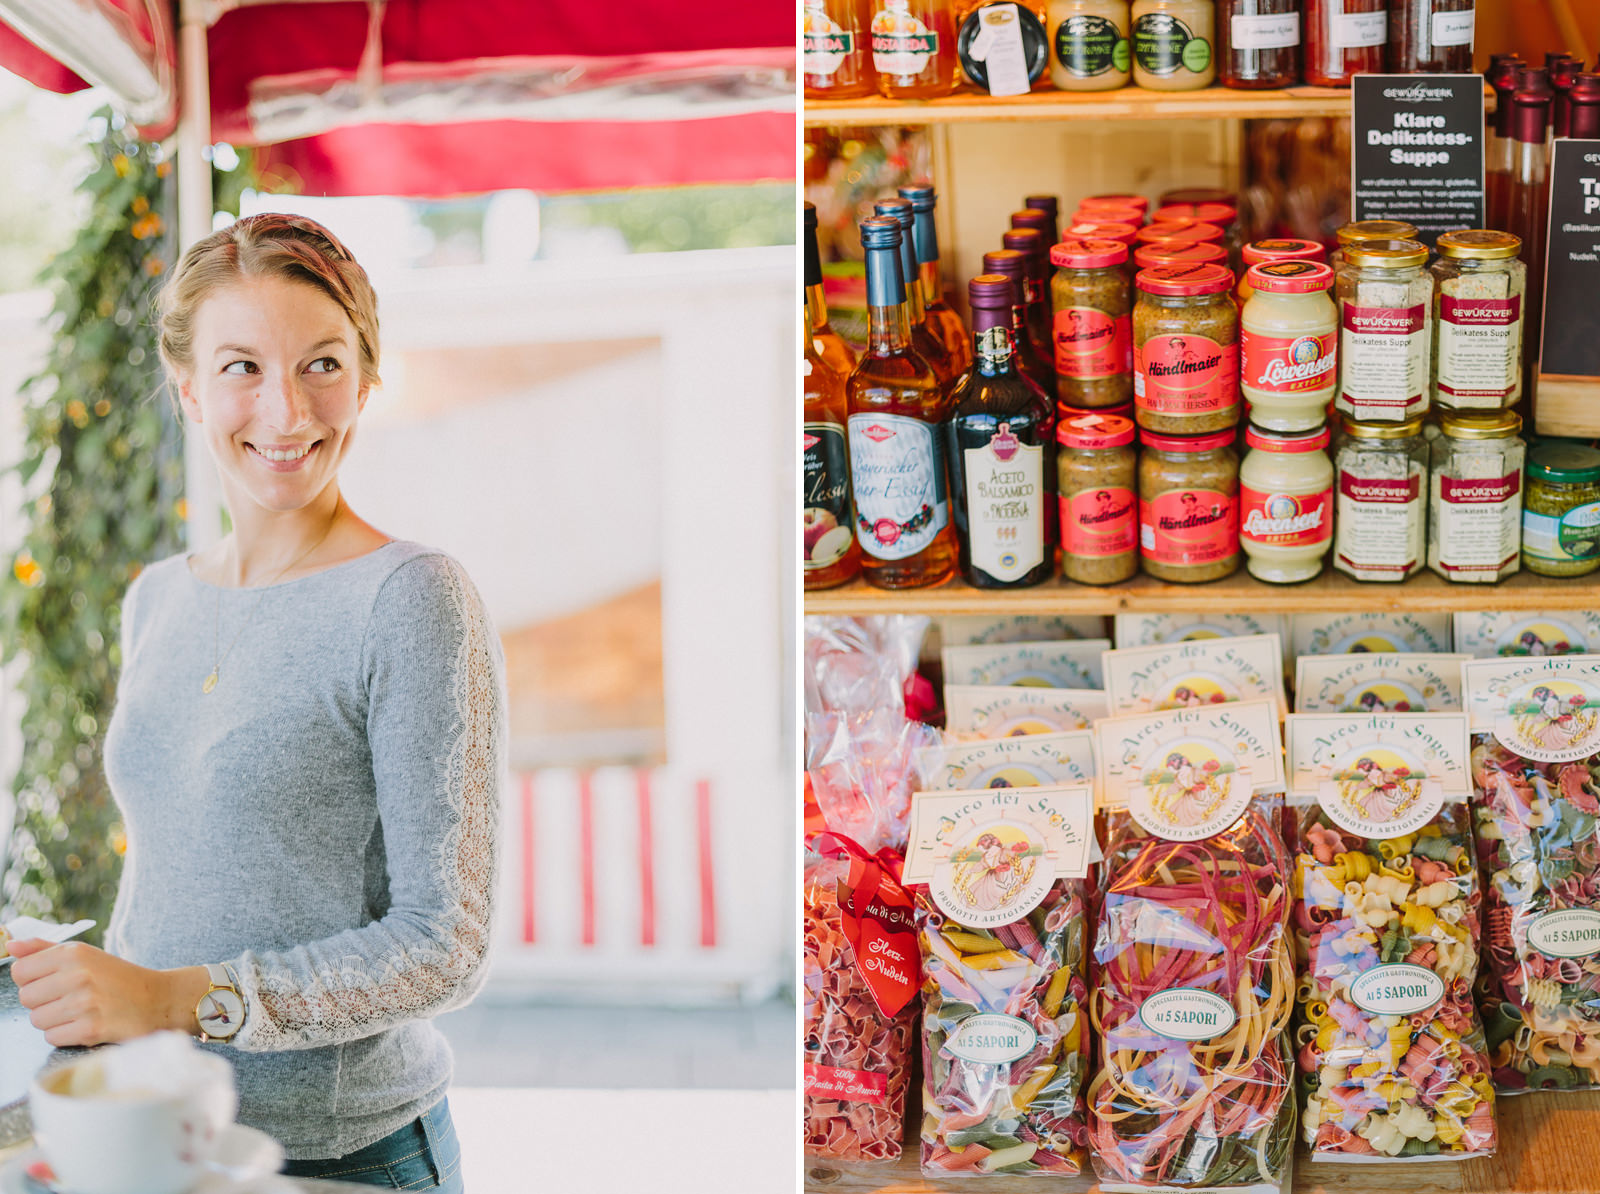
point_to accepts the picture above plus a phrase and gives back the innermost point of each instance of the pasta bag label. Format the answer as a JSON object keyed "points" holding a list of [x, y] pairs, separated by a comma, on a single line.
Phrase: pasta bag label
{"points": [[1187, 1014], [1346, 634], [877, 919], [1189, 675], [1397, 989], [1391, 682], [1487, 635], [848, 1086], [1142, 630], [990, 857], [1030, 761], [1379, 776], [991, 1039], [1187, 774], [1547, 710], [1009, 712], [1566, 933], [1073, 664]]}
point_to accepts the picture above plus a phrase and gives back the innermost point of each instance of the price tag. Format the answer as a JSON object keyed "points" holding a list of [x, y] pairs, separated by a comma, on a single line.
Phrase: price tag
{"points": [[1417, 151]]}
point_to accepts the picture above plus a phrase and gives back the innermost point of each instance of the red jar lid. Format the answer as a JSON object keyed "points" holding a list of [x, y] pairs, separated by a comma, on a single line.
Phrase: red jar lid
{"points": [[1188, 443], [1283, 249], [1103, 230], [1114, 215], [1289, 277], [1183, 231], [1286, 441], [1138, 201], [1211, 213], [1088, 253], [1181, 280], [1168, 252], [1095, 430], [1199, 195]]}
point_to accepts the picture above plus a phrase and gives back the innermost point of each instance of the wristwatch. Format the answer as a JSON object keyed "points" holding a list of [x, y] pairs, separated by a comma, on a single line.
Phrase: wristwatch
{"points": [[221, 1009]]}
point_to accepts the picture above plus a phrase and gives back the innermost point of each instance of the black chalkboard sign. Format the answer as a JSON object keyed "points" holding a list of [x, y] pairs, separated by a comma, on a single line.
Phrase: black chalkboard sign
{"points": [[1569, 346], [1417, 151]]}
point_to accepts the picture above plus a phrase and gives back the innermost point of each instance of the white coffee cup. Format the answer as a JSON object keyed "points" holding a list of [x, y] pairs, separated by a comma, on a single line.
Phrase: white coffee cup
{"points": [[132, 1137]]}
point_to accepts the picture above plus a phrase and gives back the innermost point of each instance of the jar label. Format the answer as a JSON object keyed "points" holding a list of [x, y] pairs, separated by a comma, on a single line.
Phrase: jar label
{"points": [[1164, 45], [897, 465], [1287, 364], [1005, 505], [1564, 538], [827, 43], [1185, 375], [1453, 28], [1285, 519], [1477, 525], [1352, 30], [1188, 1014], [827, 532], [901, 44], [1566, 933], [1480, 342], [1266, 32], [1087, 47], [1378, 526], [1398, 989], [1189, 526], [1383, 361], [1099, 523], [1091, 344]]}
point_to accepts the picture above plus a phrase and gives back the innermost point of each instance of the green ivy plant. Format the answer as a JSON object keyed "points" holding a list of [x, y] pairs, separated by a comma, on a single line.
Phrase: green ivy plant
{"points": [[102, 470]]}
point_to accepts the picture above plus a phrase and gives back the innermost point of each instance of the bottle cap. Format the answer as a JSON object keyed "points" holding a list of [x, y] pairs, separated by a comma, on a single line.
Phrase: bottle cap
{"points": [[1088, 253], [1211, 213], [1094, 429], [1108, 215], [897, 209], [992, 292], [1360, 429], [1387, 254], [1029, 241], [1182, 231], [1188, 443], [1033, 217], [1010, 262], [1047, 203], [880, 232], [1116, 200], [921, 194], [1478, 244], [1493, 425], [1104, 230], [1166, 252], [1283, 249], [1199, 195], [1564, 461], [1183, 280], [1361, 230]]}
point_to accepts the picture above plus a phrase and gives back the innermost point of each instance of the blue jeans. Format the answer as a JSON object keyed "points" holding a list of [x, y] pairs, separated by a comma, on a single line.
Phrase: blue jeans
{"points": [[423, 1155]]}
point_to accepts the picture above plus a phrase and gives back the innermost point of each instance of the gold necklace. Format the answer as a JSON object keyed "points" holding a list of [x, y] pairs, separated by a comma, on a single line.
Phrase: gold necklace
{"points": [[216, 625]]}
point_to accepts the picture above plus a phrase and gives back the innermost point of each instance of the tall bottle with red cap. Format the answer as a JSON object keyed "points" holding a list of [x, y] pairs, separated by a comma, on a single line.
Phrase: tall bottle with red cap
{"points": [[897, 460], [1498, 148], [1000, 439], [1528, 203]]}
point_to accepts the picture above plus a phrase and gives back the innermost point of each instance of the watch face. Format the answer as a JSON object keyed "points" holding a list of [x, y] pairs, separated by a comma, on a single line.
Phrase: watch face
{"points": [[220, 1013]]}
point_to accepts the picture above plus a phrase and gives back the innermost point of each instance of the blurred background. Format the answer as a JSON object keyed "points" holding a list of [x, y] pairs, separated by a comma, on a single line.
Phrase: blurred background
{"points": [[580, 225]]}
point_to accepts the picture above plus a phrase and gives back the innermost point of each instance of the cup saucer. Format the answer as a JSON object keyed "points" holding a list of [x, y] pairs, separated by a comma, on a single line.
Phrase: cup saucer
{"points": [[245, 1159]]}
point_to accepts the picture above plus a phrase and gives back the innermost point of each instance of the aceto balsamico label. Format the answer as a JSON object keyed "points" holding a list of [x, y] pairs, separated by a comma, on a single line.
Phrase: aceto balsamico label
{"points": [[1566, 933], [1087, 47], [827, 533], [1189, 526], [1090, 343], [1005, 505], [848, 1086], [1383, 359], [1285, 519], [1187, 1014], [1185, 375], [897, 466], [1287, 364], [1397, 989], [1099, 522], [1480, 342]]}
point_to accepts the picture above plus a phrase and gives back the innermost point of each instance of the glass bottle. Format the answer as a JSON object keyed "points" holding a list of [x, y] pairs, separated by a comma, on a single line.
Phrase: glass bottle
{"points": [[1258, 43], [1430, 37], [828, 537], [947, 325], [1051, 206], [1498, 146], [837, 41], [896, 406], [1000, 439], [1563, 73], [1527, 210], [924, 337], [1092, 303], [829, 343], [1030, 241], [1039, 371], [914, 48], [1344, 38]]}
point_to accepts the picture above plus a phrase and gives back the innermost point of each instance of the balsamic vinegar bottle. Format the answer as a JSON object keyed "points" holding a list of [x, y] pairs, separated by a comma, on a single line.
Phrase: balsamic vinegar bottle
{"points": [[1000, 439]]}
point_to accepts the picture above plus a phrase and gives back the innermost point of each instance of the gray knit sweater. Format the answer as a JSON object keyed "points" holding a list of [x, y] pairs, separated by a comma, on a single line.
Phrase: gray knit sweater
{"points": [[324, 821]]}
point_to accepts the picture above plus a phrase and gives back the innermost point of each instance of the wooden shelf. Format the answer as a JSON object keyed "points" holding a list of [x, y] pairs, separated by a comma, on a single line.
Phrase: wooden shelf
{"points": [[1332, 592], [1548, 1145], [969, 105]]}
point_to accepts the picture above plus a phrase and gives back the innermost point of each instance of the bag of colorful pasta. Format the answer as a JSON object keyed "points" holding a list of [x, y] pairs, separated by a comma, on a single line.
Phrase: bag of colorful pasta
{"points": [[860, 979], [1000, 918], [1536, 799], [1192, 973], [1387, 910]]}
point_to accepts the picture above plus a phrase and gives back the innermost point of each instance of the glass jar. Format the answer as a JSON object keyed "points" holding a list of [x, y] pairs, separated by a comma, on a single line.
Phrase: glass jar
{"points": [[1173, 44], [1364, 230], [1181, 232], [1189, 507], [837, 42], [1475, 497], [1430, 37], [1005, 22], [1121, 199], [914, 48], [1258, 43], [1089, 48], [1561, 509], [1380, 516], [1185, 350], [1095, 466], [1285, 504], [1288, 340], [1478, 312], [1092, 327], [1275, 249], [1385, 295], [1344, 38]]}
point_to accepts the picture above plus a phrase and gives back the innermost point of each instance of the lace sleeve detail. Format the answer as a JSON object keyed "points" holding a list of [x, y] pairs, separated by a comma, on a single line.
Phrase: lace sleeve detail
{"points": [[437, 729]]}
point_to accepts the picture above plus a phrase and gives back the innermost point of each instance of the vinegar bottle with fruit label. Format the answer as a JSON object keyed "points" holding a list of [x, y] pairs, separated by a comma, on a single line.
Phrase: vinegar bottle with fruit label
{"points": [[914, 48], [832, 555], [837, 47]]}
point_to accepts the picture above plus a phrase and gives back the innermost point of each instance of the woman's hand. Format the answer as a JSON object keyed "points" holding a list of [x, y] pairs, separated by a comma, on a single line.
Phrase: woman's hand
{"points": [[79, 995]]}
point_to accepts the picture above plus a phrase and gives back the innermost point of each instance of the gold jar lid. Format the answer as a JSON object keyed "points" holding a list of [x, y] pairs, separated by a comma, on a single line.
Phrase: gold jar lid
{"points": [[1493, 425], [1357, 429], [1387, 254], [1361, 230], [1479, 244]]}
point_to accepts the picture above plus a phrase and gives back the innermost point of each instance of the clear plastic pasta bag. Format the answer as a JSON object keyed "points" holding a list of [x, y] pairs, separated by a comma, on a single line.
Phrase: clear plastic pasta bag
{"points": [[1193, 989], [1536, 801], [858, 1040], [1388, 1040]]}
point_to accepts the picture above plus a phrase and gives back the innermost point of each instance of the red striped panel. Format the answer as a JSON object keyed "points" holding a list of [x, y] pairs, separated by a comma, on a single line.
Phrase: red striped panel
{"points": [[529, 922], [708, 893], [586, 853], [647, 873]]}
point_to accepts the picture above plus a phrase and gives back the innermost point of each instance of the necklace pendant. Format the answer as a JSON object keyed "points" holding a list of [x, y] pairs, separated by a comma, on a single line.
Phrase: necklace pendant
{"points": [[211, 682]]}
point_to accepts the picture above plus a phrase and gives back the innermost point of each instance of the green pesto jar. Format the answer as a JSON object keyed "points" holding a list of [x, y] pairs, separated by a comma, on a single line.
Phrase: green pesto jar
{"points": [[1561, 509]]}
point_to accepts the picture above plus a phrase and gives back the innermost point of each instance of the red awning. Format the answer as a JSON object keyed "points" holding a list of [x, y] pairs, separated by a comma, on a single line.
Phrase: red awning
{"points": [[444, 97]]}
